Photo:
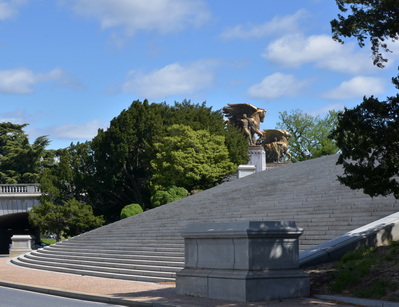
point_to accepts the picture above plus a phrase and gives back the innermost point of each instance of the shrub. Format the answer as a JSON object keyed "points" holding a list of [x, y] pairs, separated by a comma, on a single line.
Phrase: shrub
{"points": [[130, 210], [162, 197]]}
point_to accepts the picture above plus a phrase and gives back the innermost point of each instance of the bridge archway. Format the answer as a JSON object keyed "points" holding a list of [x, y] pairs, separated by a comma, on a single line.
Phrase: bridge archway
{"points": [[13, 224], [15, 202]]}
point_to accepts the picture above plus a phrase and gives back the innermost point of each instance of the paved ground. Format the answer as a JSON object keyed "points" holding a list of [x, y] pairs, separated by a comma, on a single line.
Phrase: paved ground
{"points": [[129, 293]]}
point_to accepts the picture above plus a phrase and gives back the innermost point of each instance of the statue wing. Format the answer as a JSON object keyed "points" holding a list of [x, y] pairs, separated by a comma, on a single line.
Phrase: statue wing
{"points": [[271, 135], [235, 112]]}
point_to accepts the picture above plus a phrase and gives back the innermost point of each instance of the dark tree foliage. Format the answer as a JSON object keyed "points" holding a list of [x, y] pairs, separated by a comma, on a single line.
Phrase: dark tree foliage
{"points": [[376, 20], [20, 161], [121, 154], [70, 176], [368, 135], [64, 209]]}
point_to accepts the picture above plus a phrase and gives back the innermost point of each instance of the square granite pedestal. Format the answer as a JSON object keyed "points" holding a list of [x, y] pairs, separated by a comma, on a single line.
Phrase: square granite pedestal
{"points": [[242, 261]]}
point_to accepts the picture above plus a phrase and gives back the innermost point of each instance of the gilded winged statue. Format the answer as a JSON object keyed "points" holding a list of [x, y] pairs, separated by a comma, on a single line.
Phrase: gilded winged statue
{"points": [[275, 143], [247, 117]]}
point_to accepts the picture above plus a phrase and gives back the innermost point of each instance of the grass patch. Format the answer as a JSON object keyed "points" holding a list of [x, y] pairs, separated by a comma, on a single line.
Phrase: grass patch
{"points": [[377, 290], [368, 273], [48, 241], [352, 268]]}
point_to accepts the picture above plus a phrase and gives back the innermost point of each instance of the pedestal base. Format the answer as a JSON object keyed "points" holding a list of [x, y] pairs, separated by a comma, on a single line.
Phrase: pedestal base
{"points": [[242, 261], [21, 244], [257, 157], [242, 286]]}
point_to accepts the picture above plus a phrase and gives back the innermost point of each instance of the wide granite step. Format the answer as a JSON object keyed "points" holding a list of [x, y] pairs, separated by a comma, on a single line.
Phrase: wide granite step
{"points": [[129, 265], [145, 260], [98, 272]]}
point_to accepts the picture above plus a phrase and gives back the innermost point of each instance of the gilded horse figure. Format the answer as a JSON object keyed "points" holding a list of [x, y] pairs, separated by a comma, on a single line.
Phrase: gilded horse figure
{"points": [[247, 117], [275, 142]]}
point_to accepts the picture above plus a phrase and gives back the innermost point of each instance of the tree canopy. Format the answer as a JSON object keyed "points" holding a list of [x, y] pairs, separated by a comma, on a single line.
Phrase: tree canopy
{"points": [[63, 208], [310, 134], [122, 154], [68, 219], [20, 161], [376, 20], [367, 135], [190, 159], [121, 165]]}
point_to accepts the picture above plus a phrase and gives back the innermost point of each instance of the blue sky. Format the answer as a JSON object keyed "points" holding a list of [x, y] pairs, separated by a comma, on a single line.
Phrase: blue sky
{"points": [[67, 67]]}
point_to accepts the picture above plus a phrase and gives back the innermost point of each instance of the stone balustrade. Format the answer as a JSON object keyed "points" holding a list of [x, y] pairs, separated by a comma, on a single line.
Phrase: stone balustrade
{"points": [[19, 189], [16, 198]]}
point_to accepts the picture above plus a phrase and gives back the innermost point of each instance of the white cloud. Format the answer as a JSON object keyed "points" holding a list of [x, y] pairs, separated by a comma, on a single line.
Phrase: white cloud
{"points": [[160, 15], [295, 50], [322, 111], [277, 85], [22, 80], [173, 79], [278, 25], [69, 131], [357, 87], [16, 117], [8, 9]]}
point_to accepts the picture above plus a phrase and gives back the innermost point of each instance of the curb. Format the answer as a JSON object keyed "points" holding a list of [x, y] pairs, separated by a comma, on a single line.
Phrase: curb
{"points": [[80, 295]]}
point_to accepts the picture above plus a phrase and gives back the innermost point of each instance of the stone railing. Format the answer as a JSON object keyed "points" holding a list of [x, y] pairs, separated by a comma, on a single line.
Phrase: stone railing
{"points": [[19, 189]]}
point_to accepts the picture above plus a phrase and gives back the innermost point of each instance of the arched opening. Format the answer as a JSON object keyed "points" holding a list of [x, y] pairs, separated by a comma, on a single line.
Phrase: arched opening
{"points": [[13, 224]]}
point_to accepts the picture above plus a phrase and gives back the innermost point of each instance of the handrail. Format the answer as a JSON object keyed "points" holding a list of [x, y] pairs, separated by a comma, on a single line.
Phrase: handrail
{"points": [[25, 188]]}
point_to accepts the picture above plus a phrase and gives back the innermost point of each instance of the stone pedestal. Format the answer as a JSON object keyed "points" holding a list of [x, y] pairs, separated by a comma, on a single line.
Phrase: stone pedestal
{"points": [[245, 170], [257, 157], [21, 244], [242, 261]]}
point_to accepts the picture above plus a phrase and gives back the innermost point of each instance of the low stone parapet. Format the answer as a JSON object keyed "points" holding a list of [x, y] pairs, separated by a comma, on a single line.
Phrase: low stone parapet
{"points": [[242, 261], [21, 244]]}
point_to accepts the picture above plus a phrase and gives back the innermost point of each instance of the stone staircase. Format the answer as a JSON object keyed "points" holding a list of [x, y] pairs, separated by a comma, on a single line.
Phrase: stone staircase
{"points": [[148, 247]]}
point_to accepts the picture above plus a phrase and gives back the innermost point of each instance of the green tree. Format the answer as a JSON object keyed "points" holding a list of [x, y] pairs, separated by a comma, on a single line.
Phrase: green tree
{"points": [[68, 219], [63, 207], [201, 117], [310, 134], [121, 155], [367, 135], [20, 161], [190, 159], [79, 218], [130, 210], [70, 176], [375, 20], [48, 217], [121, 158]]}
